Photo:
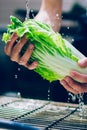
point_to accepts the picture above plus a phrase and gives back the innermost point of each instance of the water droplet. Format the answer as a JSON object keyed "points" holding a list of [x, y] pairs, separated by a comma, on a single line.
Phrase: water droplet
{"points": [[74, 98], [48, 98], [16, 76], [19, 95], [48, 91], [19, 69], [33, 15], [62, 34], [73, 40], [68, 27], [32, 10], [57, 15], [48, 94], [68, 99]]}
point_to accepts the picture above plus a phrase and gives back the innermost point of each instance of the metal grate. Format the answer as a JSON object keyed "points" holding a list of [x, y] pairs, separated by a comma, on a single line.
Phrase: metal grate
{"points": [[43, 115]]}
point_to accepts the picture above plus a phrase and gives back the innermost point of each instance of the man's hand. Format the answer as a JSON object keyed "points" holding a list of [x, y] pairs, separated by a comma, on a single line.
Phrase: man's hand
{"points": [[13, 49], [73, 86], [47, 14]]}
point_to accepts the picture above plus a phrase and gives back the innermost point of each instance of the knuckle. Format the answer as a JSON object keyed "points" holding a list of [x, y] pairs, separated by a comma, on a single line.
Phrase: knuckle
{"points": [[14, 35], [23, 41], [31, 67], [13, 59], [22, 62]]}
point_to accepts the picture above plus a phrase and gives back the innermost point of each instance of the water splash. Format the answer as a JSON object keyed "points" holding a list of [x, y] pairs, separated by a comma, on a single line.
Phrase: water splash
{"points": [[86, 6], [71, 97], [19, 95], [32, 12], [86, 11], [81, 105], [27, 9]]}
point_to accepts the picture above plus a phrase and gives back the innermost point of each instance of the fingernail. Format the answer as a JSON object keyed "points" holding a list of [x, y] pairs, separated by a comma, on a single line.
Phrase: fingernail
{"points": [[31, 46], [82, 61], [35, 63]]}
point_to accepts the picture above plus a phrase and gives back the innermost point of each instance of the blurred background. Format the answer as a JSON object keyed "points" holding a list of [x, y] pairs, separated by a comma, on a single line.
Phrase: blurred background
{"points": [[15, 78]]}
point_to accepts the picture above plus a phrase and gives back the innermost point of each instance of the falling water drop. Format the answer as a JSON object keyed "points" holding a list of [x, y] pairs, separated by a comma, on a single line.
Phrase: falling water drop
{"points": [[16, 76], [19, 69], [85, 1], [57, 15], [19, 95], [71, 97], [68, 27], [81, 105], [49, 93], [73, 40], [62, 34], [86, 11], [27, 9]]}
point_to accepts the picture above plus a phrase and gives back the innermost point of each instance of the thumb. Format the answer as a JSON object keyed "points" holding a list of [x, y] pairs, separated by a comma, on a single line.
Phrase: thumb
{"points": [[82, 62]]}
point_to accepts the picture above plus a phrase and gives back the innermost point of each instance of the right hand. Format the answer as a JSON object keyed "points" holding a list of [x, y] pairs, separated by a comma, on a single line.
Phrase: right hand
{"points": [[74, 86], [13, 51]]}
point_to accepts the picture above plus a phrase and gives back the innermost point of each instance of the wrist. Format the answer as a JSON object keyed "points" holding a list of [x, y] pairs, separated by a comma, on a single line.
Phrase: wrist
{"points": [[51, 18], [50, 13]]}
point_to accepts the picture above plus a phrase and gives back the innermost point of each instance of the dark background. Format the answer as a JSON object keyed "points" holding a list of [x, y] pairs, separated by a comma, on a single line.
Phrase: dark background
{"points": [[15, 78]]}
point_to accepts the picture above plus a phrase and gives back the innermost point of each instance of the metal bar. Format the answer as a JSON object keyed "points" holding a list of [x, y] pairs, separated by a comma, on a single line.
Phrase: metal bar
{"points": [[59, 120], [15, 125], [14, 119]]}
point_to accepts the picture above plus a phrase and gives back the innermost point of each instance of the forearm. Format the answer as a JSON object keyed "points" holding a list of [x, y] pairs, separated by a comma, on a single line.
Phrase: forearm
{"points": [[50, 12], [55, 6]]}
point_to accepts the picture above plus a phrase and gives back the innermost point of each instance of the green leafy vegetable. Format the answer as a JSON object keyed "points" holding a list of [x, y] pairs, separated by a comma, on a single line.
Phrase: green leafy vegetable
{"points": [[55, 55]]}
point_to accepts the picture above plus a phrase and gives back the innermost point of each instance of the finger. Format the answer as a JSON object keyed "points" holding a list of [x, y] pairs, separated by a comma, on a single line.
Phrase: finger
{"points": [[68, 87], [82, 78], [83, 62], [84, 88], [15, 54], [79, 87], [24, 59], [10, 43], [32, 66]]}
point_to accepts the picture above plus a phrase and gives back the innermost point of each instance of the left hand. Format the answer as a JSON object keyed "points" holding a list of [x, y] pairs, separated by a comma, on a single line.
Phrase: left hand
{"points": [[74, 86]]}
